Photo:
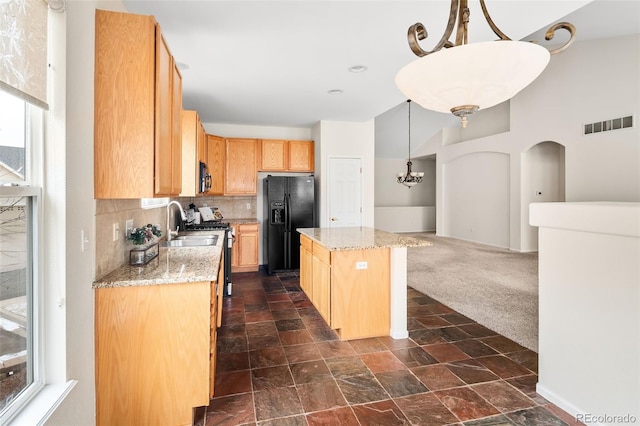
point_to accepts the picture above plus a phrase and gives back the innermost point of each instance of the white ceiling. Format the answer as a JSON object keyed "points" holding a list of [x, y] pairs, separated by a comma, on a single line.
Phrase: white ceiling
{"points": [[271, 63]]}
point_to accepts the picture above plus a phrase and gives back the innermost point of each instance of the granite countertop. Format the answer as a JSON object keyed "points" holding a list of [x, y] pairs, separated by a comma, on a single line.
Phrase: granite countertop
{"points": [[356, 238], [172, 266]]}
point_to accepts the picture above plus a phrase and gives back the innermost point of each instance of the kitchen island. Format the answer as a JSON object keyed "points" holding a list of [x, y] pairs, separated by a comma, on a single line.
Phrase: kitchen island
{"points": [[357, 279], [155, 336]]}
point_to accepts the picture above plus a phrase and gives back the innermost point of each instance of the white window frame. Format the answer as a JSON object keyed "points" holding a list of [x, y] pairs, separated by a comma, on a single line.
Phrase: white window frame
{"points": [[31, 189]]}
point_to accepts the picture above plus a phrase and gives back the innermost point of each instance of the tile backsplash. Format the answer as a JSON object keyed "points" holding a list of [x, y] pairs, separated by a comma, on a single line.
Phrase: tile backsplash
{"points": [[112, 254], [230, 207]]}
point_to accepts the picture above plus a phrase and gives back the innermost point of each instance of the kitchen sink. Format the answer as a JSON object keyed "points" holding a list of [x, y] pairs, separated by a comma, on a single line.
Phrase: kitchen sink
{"points": [[192, 241]]}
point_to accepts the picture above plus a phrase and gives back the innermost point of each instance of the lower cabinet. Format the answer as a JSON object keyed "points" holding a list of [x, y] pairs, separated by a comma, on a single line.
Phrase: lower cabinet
{"points": [[244, 255], [152, 353], [350, 288]]}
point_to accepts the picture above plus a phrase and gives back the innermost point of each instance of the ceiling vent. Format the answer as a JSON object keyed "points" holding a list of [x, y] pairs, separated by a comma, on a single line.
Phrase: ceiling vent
{"points": [[607, 125]]}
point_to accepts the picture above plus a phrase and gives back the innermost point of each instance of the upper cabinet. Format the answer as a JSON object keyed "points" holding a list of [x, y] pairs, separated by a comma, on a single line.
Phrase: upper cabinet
{"points": [[194, 151], [138, 100], [216, 150], [286, 156], [241, 171], [301, 156]]}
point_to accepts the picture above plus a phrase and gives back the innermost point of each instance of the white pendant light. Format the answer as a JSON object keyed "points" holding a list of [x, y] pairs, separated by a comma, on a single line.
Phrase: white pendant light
{"points": [[464, 78]]}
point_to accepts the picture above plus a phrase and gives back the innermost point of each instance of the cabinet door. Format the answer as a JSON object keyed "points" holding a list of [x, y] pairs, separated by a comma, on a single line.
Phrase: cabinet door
{"points": [[152, 326], [163, 119], [306, 266], [241, 173], [321, 287], [248, 246], [176, 130], [124, 129], [189, 155], [216, 163], [274, 155], [301, 156]]}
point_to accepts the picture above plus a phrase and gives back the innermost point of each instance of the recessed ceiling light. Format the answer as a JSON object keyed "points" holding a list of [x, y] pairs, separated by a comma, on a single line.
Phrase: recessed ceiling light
{"points": [[358, 68], [182, 66], [335, 92]]}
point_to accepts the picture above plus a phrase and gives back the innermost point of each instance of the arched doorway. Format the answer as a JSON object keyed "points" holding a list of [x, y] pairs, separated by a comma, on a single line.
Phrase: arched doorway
{"points": [[543, 181]]}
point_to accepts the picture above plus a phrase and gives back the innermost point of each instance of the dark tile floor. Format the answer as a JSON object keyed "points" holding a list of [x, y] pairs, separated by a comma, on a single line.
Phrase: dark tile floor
{"points": [[279, 364]]}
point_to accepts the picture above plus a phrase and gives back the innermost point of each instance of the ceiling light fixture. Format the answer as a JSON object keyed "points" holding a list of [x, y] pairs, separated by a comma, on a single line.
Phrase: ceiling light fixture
{"points": [[467, 77], [358, 68], [410, 178]]}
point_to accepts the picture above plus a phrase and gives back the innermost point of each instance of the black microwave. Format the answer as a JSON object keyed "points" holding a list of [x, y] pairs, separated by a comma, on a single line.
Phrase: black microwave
{"points": [[204, 179]]}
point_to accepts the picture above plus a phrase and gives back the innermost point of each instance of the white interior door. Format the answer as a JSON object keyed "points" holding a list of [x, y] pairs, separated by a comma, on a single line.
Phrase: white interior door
{"points": [[345, 192]]}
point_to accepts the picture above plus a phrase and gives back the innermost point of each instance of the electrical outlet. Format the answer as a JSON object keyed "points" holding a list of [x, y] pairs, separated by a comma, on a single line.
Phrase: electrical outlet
{"points": [[116, 232], [128, 227], [205, 205], [248, 206], [362, 265]]}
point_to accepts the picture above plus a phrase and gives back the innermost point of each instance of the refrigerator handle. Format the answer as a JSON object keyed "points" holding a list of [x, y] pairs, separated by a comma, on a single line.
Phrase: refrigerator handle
{"points": [[287, 231]]}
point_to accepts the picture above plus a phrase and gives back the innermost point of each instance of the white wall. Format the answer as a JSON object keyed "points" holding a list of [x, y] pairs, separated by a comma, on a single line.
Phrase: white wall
{"points": [[589, 359], [388, 192], [351, 140], [476, 198], [405, 219], [257, 132], [79, 405]]}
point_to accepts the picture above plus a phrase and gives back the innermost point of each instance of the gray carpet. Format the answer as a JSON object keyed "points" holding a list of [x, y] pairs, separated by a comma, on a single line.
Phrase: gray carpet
{"points": [[496, 287]]}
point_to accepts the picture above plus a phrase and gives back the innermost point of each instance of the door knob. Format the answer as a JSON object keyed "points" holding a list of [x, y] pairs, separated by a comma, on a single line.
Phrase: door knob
{"points": [[333, 219]]}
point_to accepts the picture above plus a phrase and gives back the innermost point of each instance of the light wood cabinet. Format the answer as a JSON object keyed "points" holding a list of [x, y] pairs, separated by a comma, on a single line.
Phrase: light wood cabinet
{"points": [[301, 156], [350, 288], [306, 264], [194, 150], [152, 353], [241, 167], [286, 156], [244, 252], [137, 150], [215, 322], [274, 155], [216, 160]]}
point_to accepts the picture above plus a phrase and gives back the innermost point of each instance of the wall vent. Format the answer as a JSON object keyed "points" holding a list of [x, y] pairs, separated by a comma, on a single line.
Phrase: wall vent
{"points": [[607, 125]]}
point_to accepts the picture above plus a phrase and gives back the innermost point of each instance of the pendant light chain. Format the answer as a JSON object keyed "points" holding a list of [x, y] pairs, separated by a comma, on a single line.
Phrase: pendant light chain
{"points": [[409, 101]]}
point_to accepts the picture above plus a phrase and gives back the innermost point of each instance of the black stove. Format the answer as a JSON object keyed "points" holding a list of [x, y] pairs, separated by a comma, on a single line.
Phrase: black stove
{"points": [[228, 243], [207, 226]]}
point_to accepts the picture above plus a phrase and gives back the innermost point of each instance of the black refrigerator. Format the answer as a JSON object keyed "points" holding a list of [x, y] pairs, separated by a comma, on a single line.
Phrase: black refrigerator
{"points": [[288, 205]]}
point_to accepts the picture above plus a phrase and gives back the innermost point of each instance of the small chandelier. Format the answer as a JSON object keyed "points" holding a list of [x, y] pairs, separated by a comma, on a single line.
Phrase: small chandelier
{"points": [[468, 77], [410, 178]]}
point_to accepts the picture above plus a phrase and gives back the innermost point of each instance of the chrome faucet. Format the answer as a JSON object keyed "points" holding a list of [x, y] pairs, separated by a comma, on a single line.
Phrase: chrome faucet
{"points": [[170, 232]]}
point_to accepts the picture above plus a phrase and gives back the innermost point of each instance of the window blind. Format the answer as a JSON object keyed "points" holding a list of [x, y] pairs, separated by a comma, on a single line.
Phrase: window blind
{"points": [[23, 50]]}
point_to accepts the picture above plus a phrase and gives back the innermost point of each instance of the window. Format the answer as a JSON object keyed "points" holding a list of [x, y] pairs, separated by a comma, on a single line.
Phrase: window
{"points": [[20, 137]]}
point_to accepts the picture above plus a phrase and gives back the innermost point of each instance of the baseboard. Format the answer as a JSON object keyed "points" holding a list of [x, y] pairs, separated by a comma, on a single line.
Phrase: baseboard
{"points": [[562, 403]]}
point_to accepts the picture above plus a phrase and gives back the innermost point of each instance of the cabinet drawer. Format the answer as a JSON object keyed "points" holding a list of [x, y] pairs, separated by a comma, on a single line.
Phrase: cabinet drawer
{"points": [[306, 243], [322, 253], [248, 227]]}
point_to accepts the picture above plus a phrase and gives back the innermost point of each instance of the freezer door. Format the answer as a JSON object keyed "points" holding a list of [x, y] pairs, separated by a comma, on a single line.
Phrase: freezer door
{"points": [[276, 222], [301, 213]]}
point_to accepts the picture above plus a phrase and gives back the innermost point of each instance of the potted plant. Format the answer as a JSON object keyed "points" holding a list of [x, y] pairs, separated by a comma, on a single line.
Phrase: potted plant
{"points": [[143, 237]]}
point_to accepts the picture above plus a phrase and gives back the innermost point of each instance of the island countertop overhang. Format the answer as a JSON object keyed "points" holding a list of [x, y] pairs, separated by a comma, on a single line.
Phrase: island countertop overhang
{"points": [[359, 238]]}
